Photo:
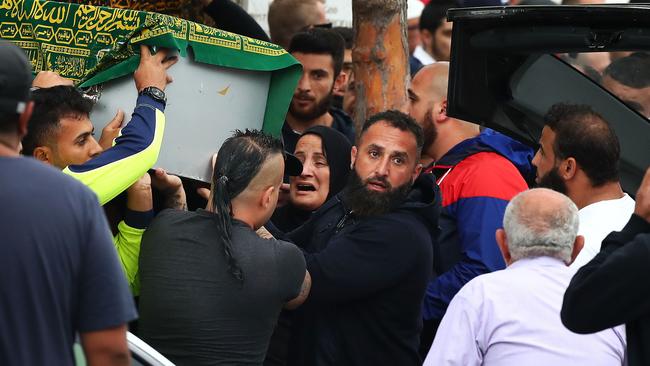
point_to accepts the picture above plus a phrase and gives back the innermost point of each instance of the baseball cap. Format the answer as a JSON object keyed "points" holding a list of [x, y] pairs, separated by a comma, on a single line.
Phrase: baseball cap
{"points": [[15, 78]]}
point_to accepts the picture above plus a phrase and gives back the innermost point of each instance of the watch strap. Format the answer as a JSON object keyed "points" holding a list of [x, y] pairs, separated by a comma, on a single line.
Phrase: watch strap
{"points": [[155, 93]]}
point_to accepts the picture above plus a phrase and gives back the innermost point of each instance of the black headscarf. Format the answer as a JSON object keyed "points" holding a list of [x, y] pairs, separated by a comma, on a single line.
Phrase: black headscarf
{"points": [[336, 148]]}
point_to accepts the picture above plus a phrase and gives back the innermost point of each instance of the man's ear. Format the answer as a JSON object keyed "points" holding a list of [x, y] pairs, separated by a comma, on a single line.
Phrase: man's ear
{"points": [[577, 247], [267, 197], [568, 168], [43, 153], [340, 82], [502, 242], [353, 156], [441, 108]]}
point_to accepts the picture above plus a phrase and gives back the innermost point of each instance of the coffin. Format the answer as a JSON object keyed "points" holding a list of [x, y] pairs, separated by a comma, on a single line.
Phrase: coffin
{"points": [[222, 82]]}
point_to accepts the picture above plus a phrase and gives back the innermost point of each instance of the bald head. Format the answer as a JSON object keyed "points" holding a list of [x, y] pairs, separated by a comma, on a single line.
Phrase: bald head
{"points": [[541, 222], [428, 106], [431, 81], [428, 88]]}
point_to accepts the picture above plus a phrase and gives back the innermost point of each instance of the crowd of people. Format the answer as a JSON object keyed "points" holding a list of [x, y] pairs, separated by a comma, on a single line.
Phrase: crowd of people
{"points": [[413, 238]]}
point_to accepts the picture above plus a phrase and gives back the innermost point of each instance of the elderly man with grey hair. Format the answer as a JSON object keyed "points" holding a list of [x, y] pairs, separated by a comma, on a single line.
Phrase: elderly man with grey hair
{"points": [[512, 316]]}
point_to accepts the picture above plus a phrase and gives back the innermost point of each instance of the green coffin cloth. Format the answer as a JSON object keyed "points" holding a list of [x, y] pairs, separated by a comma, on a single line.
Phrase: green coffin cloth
{"points": [[94, 44]]}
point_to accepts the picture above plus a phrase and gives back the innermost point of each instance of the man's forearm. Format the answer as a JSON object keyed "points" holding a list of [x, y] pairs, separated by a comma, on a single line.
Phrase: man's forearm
{"points": [[127, 244], [176, 200], [135, 152], [106, 347]]}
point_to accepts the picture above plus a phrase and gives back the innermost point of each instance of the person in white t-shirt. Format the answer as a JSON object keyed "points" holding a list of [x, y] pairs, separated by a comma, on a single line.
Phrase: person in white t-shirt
{"points": [[579, 155]]}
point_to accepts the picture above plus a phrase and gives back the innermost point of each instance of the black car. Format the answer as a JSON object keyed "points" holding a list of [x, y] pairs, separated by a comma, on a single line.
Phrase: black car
{"points": [[510, 64]]}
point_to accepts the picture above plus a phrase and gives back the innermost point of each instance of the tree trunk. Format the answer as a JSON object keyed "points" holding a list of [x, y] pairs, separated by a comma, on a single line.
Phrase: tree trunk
{"points": [[380, 57]]}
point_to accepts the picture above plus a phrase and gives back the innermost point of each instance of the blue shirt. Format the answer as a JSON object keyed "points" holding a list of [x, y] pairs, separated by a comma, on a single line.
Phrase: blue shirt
{"points": [[60, 272]]}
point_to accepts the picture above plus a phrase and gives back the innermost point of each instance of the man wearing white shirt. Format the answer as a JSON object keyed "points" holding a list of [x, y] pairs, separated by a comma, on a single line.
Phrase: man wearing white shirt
{"points": [[512, 316], [599, 219], [578, 156], [435, 32]]}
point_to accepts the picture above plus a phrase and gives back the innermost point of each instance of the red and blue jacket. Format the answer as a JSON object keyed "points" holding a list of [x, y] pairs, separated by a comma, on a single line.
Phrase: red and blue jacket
{"points": [[477, 178]]}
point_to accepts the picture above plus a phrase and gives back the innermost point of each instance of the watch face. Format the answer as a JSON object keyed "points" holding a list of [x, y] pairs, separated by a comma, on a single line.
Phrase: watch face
{"points": [[155, 93]]}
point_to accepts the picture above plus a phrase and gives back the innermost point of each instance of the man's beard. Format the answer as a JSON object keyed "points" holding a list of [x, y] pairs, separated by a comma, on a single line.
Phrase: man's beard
{"points": [[364, 202], [321, 107], [552, 180], [429, 131]]}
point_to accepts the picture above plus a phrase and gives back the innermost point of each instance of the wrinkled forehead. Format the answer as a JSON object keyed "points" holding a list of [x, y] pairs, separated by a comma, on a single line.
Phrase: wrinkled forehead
{"points": [[388, 138], [309, 141]]}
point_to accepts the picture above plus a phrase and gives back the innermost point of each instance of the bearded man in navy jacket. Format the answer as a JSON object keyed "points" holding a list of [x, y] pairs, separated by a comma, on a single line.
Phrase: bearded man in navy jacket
{"points": [[369, 250]]}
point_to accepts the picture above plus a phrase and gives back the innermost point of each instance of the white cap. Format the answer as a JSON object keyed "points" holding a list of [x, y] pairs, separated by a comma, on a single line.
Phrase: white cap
{"points": [[414, 9]]}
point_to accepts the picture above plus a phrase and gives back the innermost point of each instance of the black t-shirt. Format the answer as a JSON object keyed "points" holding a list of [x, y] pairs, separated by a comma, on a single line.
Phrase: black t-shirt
{"points": [[60, 271], [193, 310]]}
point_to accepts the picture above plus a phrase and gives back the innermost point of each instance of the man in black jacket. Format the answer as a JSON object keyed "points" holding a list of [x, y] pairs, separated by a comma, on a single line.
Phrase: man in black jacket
{"points": [[370, 253], [613, 288], [320, 51]]}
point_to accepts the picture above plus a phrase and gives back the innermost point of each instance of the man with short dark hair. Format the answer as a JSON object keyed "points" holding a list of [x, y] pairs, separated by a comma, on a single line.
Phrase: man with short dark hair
{"points": [[212, 289], [578, 156], [435, 32], [348, 38], [60, 273], [320, 51], [369, 251], [61, 134], [629, 79], [61, 110]]}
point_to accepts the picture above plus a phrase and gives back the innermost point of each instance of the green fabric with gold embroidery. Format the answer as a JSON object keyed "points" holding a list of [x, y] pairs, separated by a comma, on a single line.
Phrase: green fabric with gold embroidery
{"points": [[93, 44]]}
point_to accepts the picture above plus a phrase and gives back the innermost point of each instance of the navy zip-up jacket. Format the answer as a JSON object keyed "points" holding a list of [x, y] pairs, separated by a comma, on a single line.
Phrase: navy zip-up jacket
{"points": [[368, 281]]}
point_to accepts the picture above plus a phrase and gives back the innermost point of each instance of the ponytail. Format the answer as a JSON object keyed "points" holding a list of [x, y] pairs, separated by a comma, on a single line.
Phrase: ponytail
{"points": [[223, 216], [239, 160]]}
